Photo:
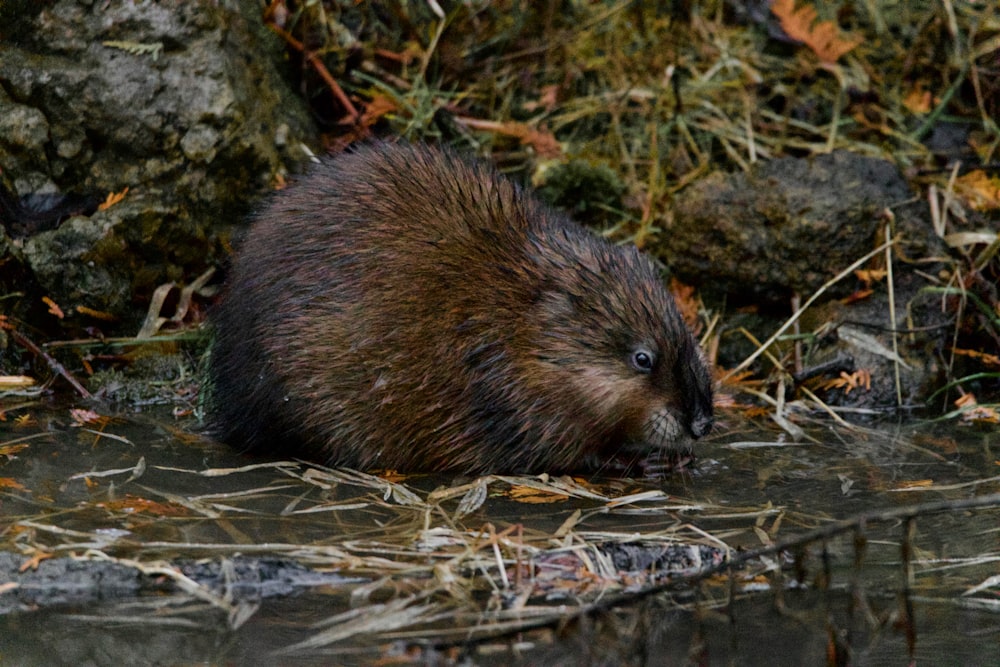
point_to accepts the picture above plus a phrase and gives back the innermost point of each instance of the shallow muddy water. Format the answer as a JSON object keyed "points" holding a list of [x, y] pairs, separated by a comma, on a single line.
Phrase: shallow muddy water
{"points": [[294, 564]]}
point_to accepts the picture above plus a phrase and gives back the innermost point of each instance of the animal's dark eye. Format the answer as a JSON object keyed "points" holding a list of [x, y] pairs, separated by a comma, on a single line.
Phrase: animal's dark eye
{"points": [[642, 360]]}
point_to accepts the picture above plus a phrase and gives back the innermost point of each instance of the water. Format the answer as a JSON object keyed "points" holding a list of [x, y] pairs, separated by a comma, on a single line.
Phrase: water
{"points": [[404, 574]]}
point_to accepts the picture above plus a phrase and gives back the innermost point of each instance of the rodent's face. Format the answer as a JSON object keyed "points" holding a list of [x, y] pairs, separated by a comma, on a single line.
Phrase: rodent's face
{"points": [[634, 370], [675, 405], [663, 391]]}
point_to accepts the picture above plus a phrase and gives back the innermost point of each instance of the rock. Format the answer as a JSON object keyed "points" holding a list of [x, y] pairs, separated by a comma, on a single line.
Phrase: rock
{"points": [[78, 262], [791, 225], [788, 226], [181, 102]]}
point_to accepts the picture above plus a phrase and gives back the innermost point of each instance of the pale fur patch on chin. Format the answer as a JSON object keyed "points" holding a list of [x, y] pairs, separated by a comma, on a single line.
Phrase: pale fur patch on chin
{"points": [[664, 430]]}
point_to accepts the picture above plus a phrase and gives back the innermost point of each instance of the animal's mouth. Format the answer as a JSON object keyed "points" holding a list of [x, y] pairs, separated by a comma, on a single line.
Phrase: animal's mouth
{"points": [[663, 445], [644, 461]]}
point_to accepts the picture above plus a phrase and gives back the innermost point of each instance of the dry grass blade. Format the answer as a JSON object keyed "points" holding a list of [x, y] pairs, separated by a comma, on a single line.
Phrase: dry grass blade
{"points": [[135, 471], [372, 620], [805, 306]]}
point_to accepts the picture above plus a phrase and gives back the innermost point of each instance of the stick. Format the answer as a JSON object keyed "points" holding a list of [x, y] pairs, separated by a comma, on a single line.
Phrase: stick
{"points": [[56, 367]]}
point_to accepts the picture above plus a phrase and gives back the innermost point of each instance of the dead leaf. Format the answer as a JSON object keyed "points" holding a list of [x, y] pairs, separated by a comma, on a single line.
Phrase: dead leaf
{"points": [[96, 314], [975, 413], [860, 378], [379, 106], [966, 400], [153, 320], [914, 484], [985, 357], [11, 483], [53, 307], [33, 562], [527, 494], [8, 382], [823, 37], [870, 276], [27, 419], [687, 302], [947, 446], [134, 505], [918, 100], [113, 198], [547, 100], [392, 476], [980, 191], [858, 295], [543, 141], [81, 417]]}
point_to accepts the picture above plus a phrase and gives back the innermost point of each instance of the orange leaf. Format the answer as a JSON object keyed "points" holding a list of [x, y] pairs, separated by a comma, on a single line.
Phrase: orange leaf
{"points": [[859, 295], [859, 379], [11, 483], [32, 563], [379, 106], [393, 476], [134, 504], [918, 100], [687, 303], [966, 401], [982, 414], [53, 307], [526, 494], [543, 141], [823, 37], [985, 357], [96, 314], [81, 416], [869, 276], [982, 192], [113, 198], [973, 412]]}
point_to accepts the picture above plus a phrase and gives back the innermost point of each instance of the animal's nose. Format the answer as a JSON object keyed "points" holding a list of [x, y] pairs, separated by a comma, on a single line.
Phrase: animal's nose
{"points": [[701, 425]]}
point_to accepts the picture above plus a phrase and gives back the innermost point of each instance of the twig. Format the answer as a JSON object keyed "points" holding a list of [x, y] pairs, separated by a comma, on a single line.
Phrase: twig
{"points": [[313, 59], [56, 367], [892, 306], [798, 313], [825, 532]]}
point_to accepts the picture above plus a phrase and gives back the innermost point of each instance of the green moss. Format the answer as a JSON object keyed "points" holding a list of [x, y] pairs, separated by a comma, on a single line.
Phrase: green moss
{"points": [[590, 193]]}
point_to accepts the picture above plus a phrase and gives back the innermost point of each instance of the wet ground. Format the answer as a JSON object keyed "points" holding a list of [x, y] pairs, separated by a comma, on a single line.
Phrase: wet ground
{"points": [[135, 541]]}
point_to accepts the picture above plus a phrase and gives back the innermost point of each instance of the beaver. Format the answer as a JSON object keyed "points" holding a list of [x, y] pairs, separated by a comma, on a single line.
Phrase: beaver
{"points": [[401, 307]]}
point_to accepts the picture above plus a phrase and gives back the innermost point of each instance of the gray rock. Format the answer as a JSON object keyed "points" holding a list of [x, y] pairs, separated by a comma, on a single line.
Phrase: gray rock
{"points": [[182, 102], [788, 226]]}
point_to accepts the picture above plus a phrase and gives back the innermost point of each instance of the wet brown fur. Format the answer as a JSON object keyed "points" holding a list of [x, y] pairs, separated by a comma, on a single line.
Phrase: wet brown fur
{"points": [[402, 308]]}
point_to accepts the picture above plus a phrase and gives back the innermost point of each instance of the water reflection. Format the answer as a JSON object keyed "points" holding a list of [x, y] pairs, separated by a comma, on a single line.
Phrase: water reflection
{"points": [[145, 491]]}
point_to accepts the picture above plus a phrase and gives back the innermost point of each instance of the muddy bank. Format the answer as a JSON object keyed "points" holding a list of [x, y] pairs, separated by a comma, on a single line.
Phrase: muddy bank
{"points": [[198, 109]]}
